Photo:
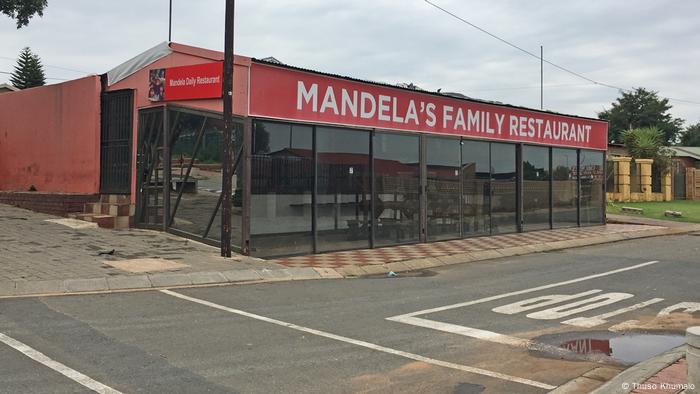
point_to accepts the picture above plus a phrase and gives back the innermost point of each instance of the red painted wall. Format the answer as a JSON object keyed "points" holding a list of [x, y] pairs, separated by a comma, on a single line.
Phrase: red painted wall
{"points": [[50, 138]]}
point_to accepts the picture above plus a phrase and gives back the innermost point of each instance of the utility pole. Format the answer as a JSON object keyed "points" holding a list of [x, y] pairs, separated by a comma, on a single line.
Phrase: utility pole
{"points": [[227, 96], [170, 22], [541, 78]]}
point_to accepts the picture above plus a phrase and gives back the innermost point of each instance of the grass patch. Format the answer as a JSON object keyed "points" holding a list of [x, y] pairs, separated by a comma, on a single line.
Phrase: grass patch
{"points": [[655, 210]]}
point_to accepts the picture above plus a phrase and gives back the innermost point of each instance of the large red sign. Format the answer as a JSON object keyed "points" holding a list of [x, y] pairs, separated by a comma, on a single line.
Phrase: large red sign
{"points": [[199, 81], [282, 93]]}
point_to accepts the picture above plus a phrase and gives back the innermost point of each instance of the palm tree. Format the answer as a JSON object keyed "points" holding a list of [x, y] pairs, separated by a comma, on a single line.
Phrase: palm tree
{"points": [[648, 143]]}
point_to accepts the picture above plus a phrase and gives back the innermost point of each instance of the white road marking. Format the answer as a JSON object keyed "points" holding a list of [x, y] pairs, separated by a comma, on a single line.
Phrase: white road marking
{"points": [[589, 322], [56, 366], [525, 291], [364, 344], [687, 307], [577, 307], [539, 302]]}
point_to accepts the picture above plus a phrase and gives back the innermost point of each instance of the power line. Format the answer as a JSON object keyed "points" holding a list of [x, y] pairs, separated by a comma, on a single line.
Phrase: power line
{"points": [[50, 66], [593, 81], [57, 79]]}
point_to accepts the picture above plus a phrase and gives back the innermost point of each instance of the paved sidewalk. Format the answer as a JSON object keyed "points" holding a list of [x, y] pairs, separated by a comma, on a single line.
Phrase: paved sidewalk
{"points": [[44, 254]]}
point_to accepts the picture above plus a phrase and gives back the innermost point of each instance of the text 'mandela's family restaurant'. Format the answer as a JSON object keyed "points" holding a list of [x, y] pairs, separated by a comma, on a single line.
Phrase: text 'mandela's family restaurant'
{"points": [[322, 162]]}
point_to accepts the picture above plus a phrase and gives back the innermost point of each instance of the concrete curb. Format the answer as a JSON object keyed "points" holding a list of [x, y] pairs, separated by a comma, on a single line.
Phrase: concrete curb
{"points": [[20, 288], [639, 373], [156, 281]]}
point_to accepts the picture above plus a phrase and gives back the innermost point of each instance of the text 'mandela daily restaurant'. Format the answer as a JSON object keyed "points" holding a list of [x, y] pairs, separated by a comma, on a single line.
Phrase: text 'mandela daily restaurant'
{"points": [[328, 163]]}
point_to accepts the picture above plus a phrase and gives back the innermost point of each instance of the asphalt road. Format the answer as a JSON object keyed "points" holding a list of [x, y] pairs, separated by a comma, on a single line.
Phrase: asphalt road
{"points": [[434, 332]]}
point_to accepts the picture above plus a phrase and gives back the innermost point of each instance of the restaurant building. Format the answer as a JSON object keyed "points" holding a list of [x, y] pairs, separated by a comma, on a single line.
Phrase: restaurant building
{"points": [[321, 162]]}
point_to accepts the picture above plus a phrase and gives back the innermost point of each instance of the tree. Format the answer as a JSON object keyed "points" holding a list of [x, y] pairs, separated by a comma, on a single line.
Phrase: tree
{"points": [[28, 72], [641, 108], [23, 10], [691, 135], [648, 143]]}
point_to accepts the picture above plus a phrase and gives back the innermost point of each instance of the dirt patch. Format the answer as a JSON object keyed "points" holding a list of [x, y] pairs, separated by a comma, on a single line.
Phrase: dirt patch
{"points": [[673, 322]]}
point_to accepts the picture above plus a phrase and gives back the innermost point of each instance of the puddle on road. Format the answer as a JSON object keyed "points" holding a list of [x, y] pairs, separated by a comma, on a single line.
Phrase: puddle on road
{"points": [[624, 348]]}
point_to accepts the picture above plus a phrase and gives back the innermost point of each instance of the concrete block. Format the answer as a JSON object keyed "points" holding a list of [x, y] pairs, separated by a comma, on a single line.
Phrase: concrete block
{"points": [[303, 273], [165, 280], [398, 267], [485, 255], [424, 263], [7, 288], [513, 251], [39, 287], [374, 269], [328, 273], [241, 275], [80, 285], [128, 282], [455, 258], [350, 271], [204, 278], [275, 274]]}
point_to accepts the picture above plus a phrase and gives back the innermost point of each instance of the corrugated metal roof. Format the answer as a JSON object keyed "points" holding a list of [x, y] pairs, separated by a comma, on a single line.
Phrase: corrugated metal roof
{"points": [[689, 151]]}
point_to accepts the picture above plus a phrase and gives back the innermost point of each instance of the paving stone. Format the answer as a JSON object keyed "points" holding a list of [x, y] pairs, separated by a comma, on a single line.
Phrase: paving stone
{"points": [[165, 280], [91, 284], [203, 278], [241, 275], [128, 282]]}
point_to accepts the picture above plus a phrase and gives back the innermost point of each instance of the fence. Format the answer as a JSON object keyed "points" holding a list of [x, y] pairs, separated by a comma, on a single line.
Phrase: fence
{"points": [[692, 183]]}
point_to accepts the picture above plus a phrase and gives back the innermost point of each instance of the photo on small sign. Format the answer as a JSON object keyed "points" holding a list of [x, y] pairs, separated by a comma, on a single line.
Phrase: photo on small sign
{"points": [[156, 84]]}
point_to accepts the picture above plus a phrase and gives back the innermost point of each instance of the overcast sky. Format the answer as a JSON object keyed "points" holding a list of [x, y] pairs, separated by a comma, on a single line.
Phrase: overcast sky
{"points": [[651, 43]]}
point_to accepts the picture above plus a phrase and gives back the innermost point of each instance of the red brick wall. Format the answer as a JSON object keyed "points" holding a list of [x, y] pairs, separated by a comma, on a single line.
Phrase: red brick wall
{"points": [[51, 203]]}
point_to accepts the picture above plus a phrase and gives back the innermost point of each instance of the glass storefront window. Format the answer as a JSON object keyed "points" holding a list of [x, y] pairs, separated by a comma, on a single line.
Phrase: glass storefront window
{"points": [[443, 194], [536, 184], [475, 188], [503, 189], [397, 188], [343, 217], [282, 187], [564, 187], [592, 178]]}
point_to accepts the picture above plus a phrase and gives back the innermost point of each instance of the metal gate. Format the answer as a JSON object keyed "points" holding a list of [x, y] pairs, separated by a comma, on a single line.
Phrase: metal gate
{"points": [[115, 142]]}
